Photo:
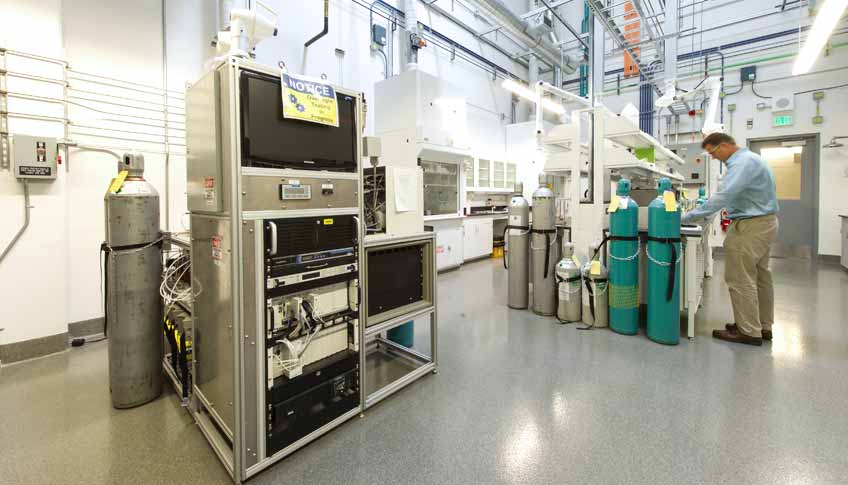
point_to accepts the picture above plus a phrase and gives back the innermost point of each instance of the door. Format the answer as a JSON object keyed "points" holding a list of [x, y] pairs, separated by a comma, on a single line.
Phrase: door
{"points": [[470, 228], [794, 161], [499, 176], [486, 236], [483, 169], [448, 247], [510, 176]]}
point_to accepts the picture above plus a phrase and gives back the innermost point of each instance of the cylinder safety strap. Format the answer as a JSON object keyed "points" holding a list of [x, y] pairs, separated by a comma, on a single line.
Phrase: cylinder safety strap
{"points": [[672, 272], [592, 300], [568, 280], [504, 238], [610, 237]]}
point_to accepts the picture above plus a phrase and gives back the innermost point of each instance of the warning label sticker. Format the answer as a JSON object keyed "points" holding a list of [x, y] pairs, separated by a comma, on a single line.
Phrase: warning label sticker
{"points": [[29, 171], [309, 100]]}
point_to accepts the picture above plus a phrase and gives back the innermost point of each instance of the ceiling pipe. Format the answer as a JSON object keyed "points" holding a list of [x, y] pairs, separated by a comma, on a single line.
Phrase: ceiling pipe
{"points": [[326, 25], [444, 13], [517, 28]]}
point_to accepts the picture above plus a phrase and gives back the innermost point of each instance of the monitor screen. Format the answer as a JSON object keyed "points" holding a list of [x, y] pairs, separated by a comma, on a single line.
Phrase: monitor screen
{"points": [[271, 141]]}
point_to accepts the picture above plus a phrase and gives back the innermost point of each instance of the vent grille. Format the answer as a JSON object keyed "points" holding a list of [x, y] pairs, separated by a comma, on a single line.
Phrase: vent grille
{"points": [[311, 234]]}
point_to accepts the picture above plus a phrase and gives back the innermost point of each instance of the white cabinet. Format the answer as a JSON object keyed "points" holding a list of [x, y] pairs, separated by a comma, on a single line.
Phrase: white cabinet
{"points": [[510, 175], [448, 247], [492, 176], [499, 175], [484, 169], [477, 239]]}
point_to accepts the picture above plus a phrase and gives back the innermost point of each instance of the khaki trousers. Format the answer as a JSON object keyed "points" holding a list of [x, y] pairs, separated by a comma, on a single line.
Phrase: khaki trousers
{"points": [[747, 274]]}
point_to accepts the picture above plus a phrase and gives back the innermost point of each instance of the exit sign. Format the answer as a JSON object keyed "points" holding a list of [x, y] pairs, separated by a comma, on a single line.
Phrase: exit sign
{"points": [[783, 120]]}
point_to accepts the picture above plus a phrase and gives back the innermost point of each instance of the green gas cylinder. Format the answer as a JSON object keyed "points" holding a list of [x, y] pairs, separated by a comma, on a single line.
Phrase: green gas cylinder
{"points": [[624, 262], [664, 254], [702, 196]]}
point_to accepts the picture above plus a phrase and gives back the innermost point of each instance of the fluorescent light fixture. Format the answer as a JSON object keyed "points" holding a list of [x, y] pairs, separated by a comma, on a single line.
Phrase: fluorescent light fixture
{"points": [[830, 13], [530, 95]]}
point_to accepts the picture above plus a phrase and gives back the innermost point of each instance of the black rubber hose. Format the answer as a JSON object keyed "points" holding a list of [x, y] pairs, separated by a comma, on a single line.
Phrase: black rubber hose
{"points": [[672, 272], [504, 239]]}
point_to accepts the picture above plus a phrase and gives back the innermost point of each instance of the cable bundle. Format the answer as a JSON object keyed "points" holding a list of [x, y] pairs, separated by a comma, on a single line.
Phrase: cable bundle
{"points": [[170, 289]]}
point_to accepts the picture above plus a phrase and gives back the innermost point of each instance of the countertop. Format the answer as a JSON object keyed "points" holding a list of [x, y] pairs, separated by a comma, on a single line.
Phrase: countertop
{"points": [[446, 217], [495, 213]]}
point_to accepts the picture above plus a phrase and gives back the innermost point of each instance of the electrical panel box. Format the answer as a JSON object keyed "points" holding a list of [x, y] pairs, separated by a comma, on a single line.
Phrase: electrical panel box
{"points": [[695, 169], [378, 35], [749, 73], [34, 157]]}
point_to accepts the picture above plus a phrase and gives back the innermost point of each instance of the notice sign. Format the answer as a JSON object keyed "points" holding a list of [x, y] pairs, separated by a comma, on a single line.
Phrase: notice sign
{"points": [[309, 100]]}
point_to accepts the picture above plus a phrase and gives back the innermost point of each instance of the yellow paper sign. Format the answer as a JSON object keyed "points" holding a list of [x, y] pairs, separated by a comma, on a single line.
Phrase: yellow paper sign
{"points": [[595, 268], [328, 222], [670, 202], [118, 182], [575, 260], [309, 100], [613, 204]]}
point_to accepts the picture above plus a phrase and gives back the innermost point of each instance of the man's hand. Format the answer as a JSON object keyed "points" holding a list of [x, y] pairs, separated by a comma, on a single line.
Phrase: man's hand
{"points": [[687, 219]]}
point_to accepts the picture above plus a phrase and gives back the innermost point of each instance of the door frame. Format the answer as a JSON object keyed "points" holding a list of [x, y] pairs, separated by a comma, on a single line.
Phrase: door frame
{"points": [[814, 250]]}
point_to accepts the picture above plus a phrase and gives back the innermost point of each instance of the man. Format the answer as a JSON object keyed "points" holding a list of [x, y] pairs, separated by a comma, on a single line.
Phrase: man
{"points": [[748, 193]]}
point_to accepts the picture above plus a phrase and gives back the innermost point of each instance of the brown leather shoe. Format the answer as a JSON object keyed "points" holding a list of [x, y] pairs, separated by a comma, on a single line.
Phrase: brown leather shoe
{"points": [[732, 327], [739, 338]]}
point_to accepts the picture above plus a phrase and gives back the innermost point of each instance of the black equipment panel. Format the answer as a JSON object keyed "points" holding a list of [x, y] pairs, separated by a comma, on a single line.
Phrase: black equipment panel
{"points": [[326, 390], [309, 237], [395, 278], [271, 141]]}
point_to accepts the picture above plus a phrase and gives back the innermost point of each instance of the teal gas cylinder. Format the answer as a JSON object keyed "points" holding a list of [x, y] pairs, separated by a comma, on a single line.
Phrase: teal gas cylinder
{"points": [[702, 196], [403, 334], [663, 253], [624, 263]]}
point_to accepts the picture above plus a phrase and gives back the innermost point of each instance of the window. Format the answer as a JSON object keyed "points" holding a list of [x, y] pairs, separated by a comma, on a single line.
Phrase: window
{"points": [[441, 188], [786, 165]]}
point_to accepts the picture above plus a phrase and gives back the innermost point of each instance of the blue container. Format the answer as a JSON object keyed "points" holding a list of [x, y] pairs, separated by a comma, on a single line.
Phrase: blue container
{"points": [[624, 263], [403, 334], [663, 269]]}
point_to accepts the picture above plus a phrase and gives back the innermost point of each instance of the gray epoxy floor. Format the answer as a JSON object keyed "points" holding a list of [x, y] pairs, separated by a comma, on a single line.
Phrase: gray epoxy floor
{"points": [[519, 399]]}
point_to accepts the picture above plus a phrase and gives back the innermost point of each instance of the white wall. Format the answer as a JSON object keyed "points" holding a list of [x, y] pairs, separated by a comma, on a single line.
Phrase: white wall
{"points": [[32, 282], [53, 274]]}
